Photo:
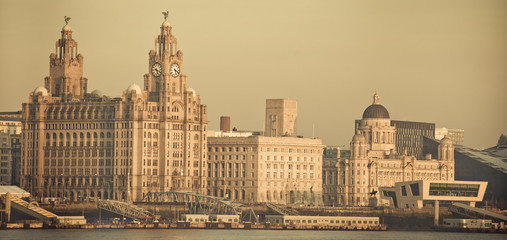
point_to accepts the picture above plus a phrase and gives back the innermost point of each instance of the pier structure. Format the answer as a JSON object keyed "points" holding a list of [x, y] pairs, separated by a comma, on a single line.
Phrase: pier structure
{"points": [[203, 204]]}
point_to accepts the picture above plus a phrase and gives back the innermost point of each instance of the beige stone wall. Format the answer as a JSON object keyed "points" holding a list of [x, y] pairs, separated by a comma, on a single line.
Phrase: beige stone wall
{"points": [[330, 182], [281, 117], [12, 127], [282, 170], [357, 178]]}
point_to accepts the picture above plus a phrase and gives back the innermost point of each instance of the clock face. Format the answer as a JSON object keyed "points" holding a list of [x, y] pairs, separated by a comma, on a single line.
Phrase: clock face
{"points": [[156, 69], [175, 70]]}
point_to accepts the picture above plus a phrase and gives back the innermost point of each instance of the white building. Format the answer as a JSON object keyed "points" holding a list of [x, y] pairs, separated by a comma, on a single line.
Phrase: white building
{"points": [[414, 194], [283, 170]]}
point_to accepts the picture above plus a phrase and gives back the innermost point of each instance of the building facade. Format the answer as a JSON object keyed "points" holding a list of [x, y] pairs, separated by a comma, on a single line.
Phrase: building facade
{"points": [[330, 181], [10, 122], [77, 144], [10, 147], [284, 170], [409, 136], [374, 161], [9, 158], [457, 136], [281, 117], [416, 194]]}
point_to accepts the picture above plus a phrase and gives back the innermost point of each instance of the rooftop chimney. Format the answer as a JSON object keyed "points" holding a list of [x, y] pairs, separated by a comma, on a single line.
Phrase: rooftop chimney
{"points": [[225, 124]]}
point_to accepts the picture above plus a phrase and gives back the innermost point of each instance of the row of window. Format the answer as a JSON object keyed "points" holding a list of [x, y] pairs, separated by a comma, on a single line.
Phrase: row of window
{"points": [[231, 149], [173, 126], [343, 222], [85, 126], [90, 115], [78, 171], [81, 153], [254, 149], [78, 162], [290, 158], [289, 175]]}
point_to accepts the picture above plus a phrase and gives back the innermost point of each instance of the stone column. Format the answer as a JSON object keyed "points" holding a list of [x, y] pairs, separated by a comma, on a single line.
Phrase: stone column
{"points": [[437, 211]]}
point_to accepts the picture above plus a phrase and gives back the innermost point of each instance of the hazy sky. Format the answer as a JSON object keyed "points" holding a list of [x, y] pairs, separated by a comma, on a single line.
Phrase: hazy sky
{"points": [[431, 61]]}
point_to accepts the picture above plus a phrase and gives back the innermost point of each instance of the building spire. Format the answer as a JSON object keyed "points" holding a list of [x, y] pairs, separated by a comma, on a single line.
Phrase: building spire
{"points": [[376, 98], [66, 67]]}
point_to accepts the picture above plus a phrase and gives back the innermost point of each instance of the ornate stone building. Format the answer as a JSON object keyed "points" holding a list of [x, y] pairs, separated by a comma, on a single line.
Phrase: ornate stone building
{"points": [[278, 167], [77, 144], [374, 162], [285, 170]]}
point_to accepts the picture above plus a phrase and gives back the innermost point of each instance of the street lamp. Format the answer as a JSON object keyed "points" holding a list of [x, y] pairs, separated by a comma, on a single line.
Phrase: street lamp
{"points": [[63, 182]]}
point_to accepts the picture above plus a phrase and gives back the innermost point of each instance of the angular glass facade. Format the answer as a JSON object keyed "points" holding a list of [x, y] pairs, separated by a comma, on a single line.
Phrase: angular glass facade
{"points": [[454, 189]]}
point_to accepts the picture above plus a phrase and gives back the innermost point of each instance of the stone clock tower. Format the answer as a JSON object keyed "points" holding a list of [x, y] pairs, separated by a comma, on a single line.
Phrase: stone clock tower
{"points": [[66, 68], [180, 120], [165, 78]]}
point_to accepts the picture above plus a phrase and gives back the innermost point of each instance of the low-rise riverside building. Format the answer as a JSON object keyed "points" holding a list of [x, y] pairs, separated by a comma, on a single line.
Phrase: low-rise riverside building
{"points": [[416, 194]]}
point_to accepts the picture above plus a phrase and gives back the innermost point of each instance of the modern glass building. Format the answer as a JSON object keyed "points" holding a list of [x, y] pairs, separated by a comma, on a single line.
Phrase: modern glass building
{"points": [[415, 194]]}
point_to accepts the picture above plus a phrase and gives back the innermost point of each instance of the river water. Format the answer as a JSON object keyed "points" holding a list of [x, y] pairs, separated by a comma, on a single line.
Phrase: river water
{"points": [[176, 234]]}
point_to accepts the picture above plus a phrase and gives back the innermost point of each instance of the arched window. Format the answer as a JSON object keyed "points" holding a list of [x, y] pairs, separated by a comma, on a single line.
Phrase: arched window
{"points": [[48, 139], [62, 113], [61, 139], [90, 111], [83, 112], [155, 139], [54, 139], [69, 113], [88, 138], [76, 113], [55, 113], [49, 113], [95, 136], [67, 139], [81, 139], [74, 139]]}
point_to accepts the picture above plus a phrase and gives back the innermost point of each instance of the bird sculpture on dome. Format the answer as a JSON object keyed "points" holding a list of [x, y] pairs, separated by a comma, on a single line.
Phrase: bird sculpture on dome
{"points": [[166, 14], [67, 19]]}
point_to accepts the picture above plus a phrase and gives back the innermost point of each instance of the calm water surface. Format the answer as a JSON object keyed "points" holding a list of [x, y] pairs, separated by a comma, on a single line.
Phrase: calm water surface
{"points": [[96, 234]]}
